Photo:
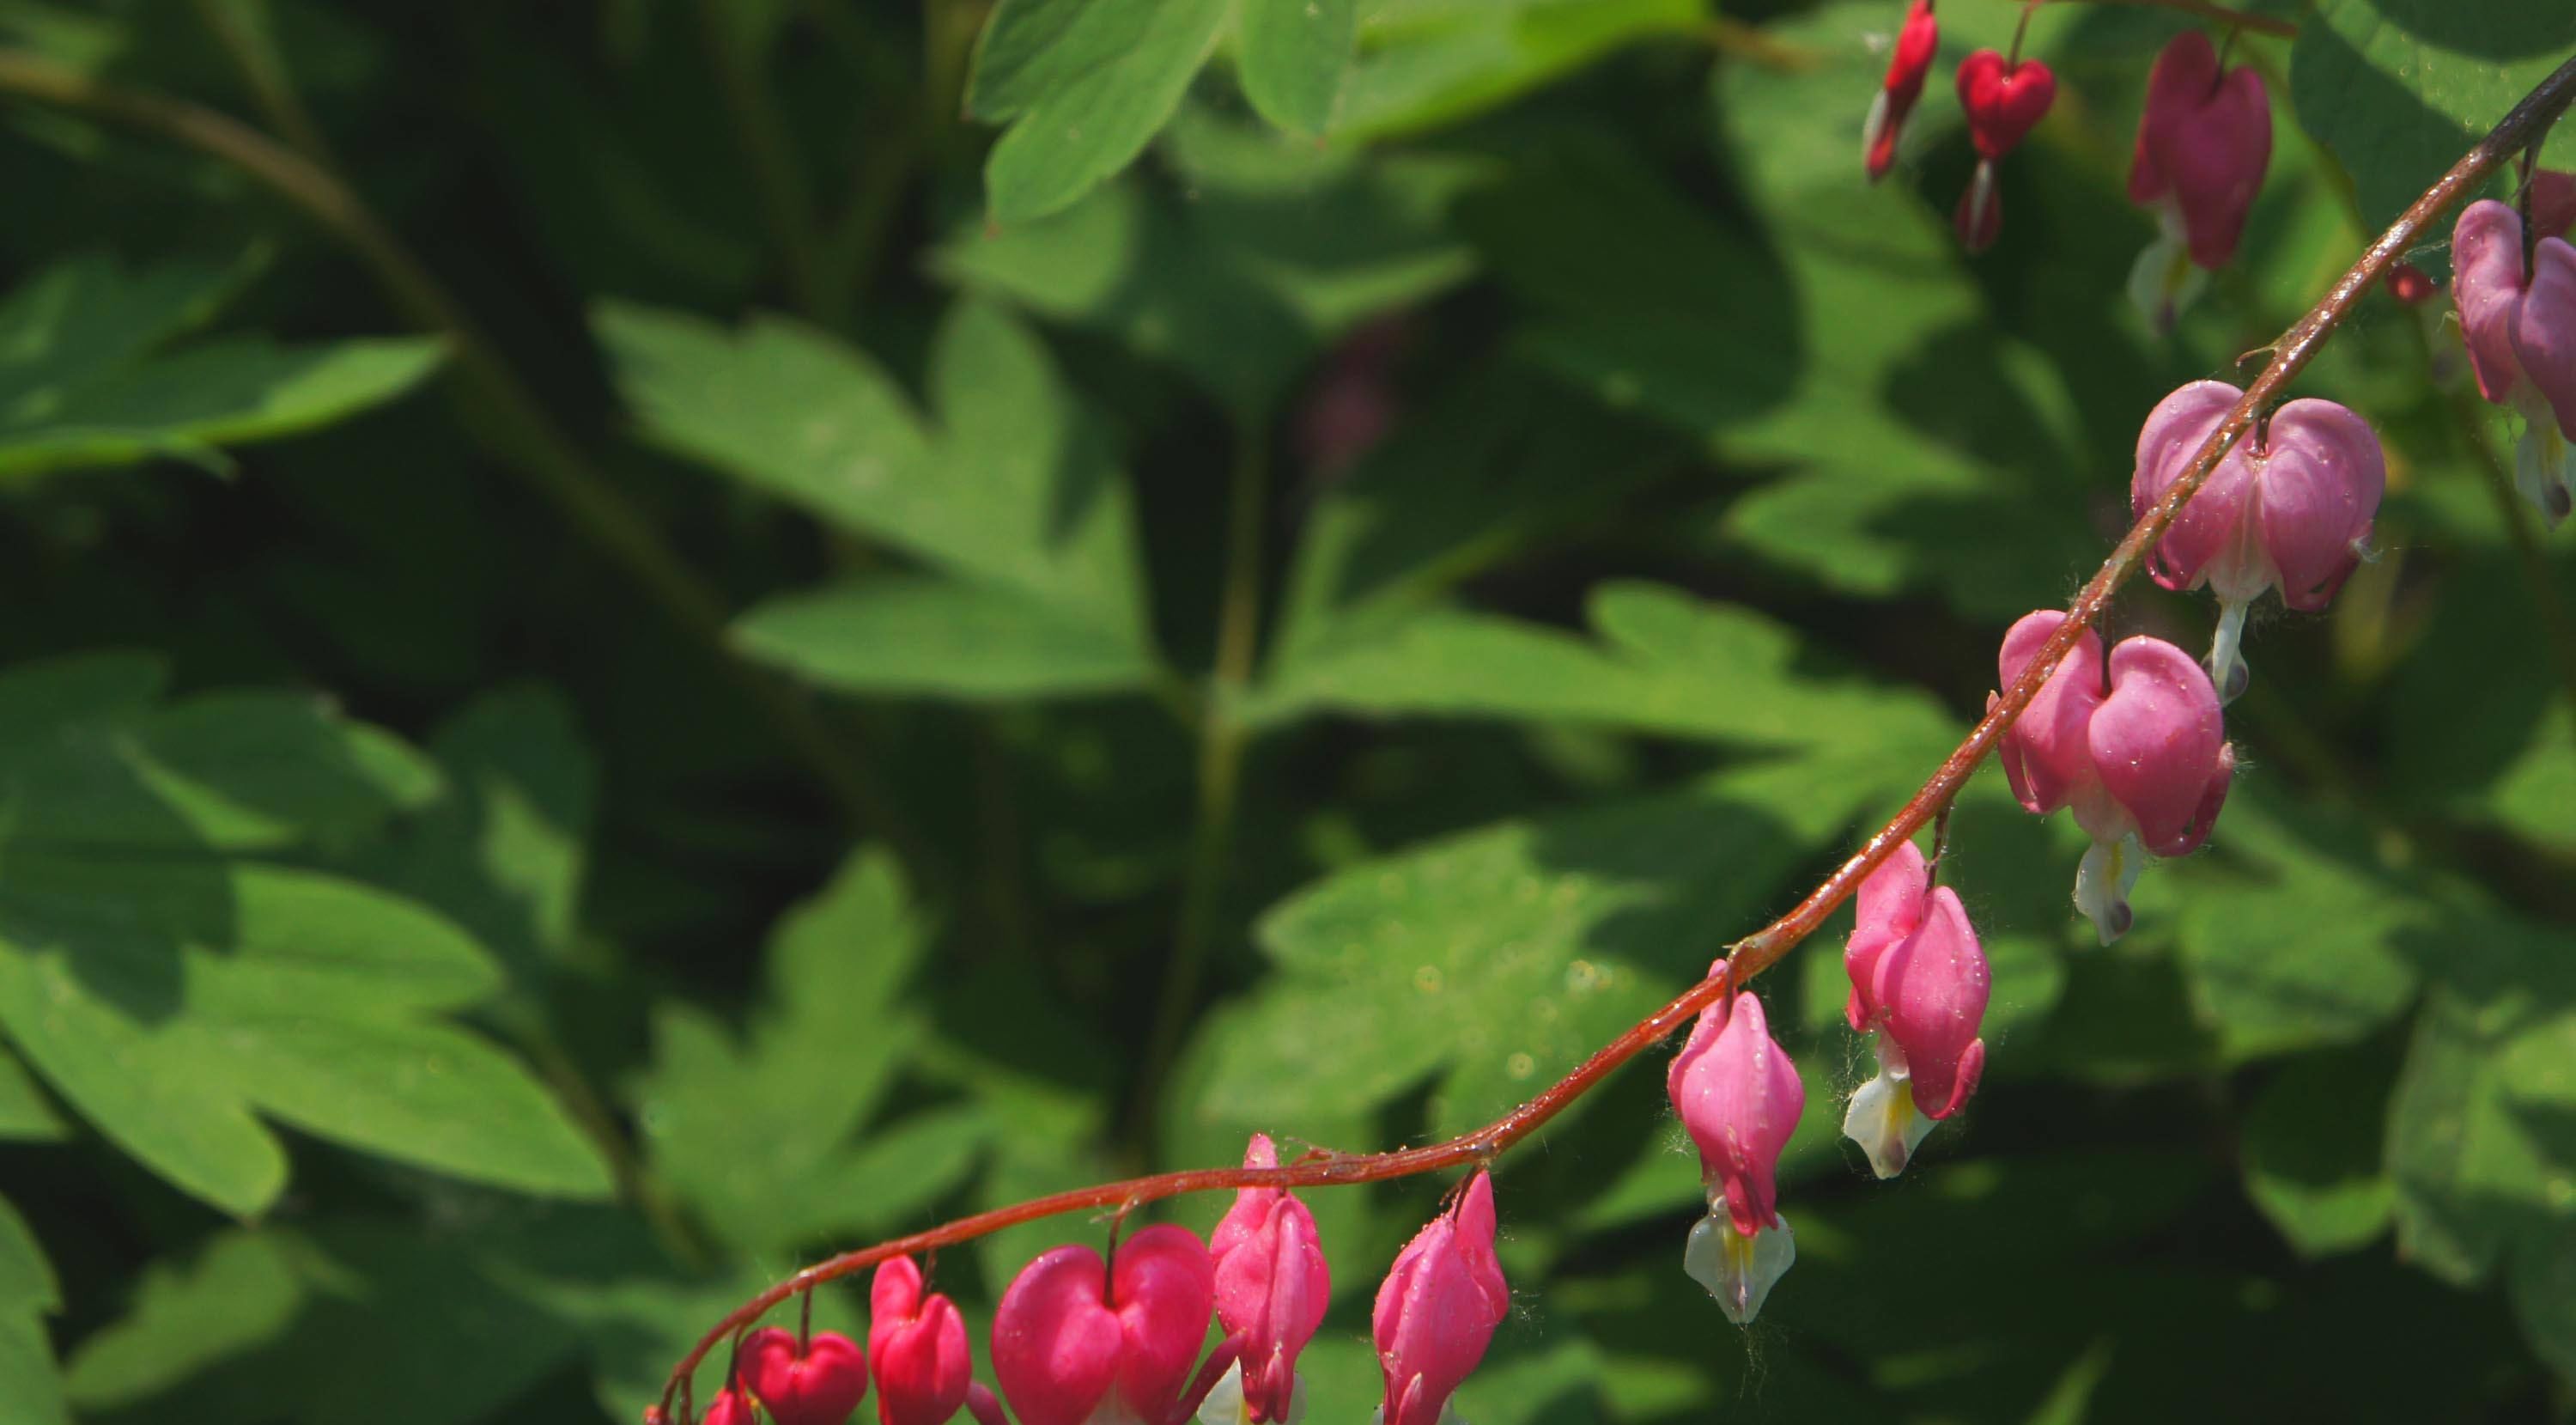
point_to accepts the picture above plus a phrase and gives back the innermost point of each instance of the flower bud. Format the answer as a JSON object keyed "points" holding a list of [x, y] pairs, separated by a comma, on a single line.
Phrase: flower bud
{"points": [[1074, 1344], [919, 1346], [730, 1407], [1919, 979], [1916, 43], [1438, 1307], [1271, 1286], [2289, 508], [817, 1383], [1739, 1097], [2143, 763], [2521, 331]]}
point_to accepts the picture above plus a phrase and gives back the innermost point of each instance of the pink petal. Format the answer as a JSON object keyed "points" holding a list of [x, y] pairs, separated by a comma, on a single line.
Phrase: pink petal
{"points": [[1890, 907], [1165, 1293], [2322, 476], [2205, 531], [2544, 331], [1741, 1101], [2486, 282], [1055, 1347], [1935, 985], [2157, 742], [2043, 751]]}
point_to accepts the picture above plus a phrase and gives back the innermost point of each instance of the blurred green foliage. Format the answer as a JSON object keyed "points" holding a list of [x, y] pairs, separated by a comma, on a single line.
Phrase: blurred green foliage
{"points": [[1413, 521]]}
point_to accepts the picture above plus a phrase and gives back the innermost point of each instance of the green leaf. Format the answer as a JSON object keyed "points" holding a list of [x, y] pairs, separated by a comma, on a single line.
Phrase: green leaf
{"points": [[1012, 495], [84, 380], [1084, 85], [241, 1292], [1294, 56], [1665, 663], [2306, 947], [1431, 62], [2482, 1127], [1237, 271], [2400, 89], [2312, 1151], [504, 851], [28, 1293], [1490, 963], [87, 761], [757, 1135], [938, 638], [169, 1000], [26, 1114]]}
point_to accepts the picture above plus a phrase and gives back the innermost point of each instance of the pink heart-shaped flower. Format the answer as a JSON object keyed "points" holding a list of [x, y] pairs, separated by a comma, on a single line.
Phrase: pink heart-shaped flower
{"points": [[2004, 101], [818, 1385]]}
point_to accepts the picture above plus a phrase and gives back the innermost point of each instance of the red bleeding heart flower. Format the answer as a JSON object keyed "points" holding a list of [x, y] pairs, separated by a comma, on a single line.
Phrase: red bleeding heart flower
{"points": [[2004, 100], [919, 1343], [1916, 43], [1074, 1342], [819, 1383]]}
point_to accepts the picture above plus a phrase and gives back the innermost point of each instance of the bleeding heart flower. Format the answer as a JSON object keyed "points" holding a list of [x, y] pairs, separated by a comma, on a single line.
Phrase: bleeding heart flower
{"points": [[2521, 331], [1916, 43], [1075, 1343], [919, 1344], [2144, 764], [1740, 1098], [818, 1383], [1919, 979], [2004, 100], [2289, 508], [2203, 144], [1438, 1307], [1271, 1285], [730, 1407]]}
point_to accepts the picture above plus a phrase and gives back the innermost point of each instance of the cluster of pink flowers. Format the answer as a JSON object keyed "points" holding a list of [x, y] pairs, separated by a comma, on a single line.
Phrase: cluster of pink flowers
{"points": [[818, 1378], [2004, 98], [1079, 1341], [2203, 144]]}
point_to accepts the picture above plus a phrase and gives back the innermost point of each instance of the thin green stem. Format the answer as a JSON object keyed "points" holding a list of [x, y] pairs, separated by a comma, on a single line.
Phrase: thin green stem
{"points": [[635, 1184], [265, 73], [777, 177], [535, 447], [1222, 737]]}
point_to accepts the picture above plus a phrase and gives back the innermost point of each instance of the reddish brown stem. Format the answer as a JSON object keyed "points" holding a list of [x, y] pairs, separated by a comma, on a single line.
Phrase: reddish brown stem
{"points": [[1762, 949]]}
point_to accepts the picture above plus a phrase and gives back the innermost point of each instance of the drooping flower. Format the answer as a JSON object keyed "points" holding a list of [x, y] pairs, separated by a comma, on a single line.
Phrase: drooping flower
{"points": [[1919, 980], [1271, 1287], [2289, 508], [919, 1345], [1916, 43], [2144, 763], [2521, 331], [730, 1407], [1438, 1308], [1739, 1097], [2004, 99], [2203, 143], [815, 1382], [1077, 1344]]}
